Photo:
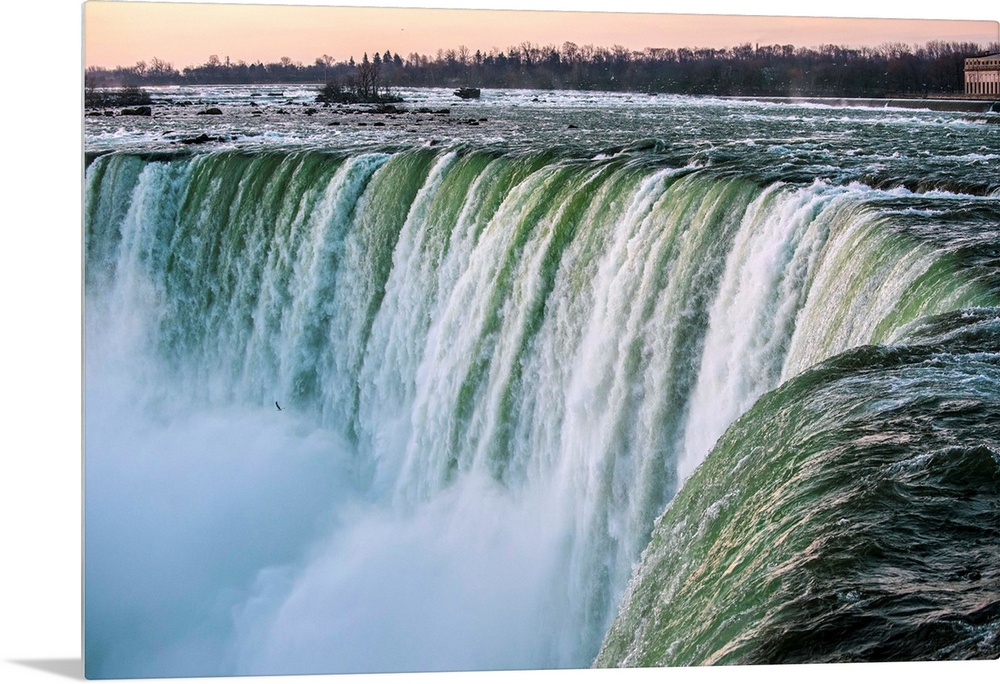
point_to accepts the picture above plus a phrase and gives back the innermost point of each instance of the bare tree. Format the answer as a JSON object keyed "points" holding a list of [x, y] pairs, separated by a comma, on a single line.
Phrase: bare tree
{"points": [[325, 61], [367, 79]]}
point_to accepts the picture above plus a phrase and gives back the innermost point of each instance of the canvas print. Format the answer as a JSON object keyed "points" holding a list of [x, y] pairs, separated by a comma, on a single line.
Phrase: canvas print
{"points": [[461, 339]]}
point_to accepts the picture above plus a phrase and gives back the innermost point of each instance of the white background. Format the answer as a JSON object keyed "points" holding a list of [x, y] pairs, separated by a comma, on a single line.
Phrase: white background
{"points": [[40, 347]]}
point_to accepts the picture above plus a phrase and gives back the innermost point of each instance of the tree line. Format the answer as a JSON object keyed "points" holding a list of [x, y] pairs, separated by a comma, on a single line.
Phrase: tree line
{"points": [[750, 70]]}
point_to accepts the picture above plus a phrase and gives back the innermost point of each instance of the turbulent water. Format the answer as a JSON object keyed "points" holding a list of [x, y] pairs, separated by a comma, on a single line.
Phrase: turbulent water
{"points": [[849, 515], [505, 354]]}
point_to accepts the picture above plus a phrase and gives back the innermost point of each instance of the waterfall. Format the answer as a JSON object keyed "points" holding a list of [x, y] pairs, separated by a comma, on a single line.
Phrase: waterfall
{"points": [[518, 360]]}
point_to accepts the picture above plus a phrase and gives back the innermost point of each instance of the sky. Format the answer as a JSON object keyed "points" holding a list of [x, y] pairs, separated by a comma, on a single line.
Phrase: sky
{"points": [[186, 34]]}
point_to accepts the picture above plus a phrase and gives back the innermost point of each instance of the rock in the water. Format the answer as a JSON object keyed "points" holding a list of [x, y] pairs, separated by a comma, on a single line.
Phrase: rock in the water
{"points": [[199, 140]]}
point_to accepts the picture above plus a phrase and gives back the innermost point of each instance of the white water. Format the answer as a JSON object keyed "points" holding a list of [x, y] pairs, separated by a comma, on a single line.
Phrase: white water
{"points": [[754, 315], [479, 504]]}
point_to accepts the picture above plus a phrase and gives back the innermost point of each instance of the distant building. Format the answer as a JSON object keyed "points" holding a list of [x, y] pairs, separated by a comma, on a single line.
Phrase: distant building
{"points": [[982, 75]]}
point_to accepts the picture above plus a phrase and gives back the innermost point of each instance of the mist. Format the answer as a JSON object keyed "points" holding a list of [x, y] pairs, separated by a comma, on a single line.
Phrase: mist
{"points": [[235, 539], [181, 514]]}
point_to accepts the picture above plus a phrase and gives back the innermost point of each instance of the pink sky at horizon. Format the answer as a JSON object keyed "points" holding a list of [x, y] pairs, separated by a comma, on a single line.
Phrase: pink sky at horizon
{"points": [[122, 33]]}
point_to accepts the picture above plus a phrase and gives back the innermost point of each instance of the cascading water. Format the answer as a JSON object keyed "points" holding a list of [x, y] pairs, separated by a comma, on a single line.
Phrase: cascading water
{"points": [[495, 369], [849, 515]]}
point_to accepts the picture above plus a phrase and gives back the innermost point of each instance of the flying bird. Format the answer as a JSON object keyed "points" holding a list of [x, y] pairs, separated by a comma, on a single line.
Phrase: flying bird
{"points": [[276, 404]]}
